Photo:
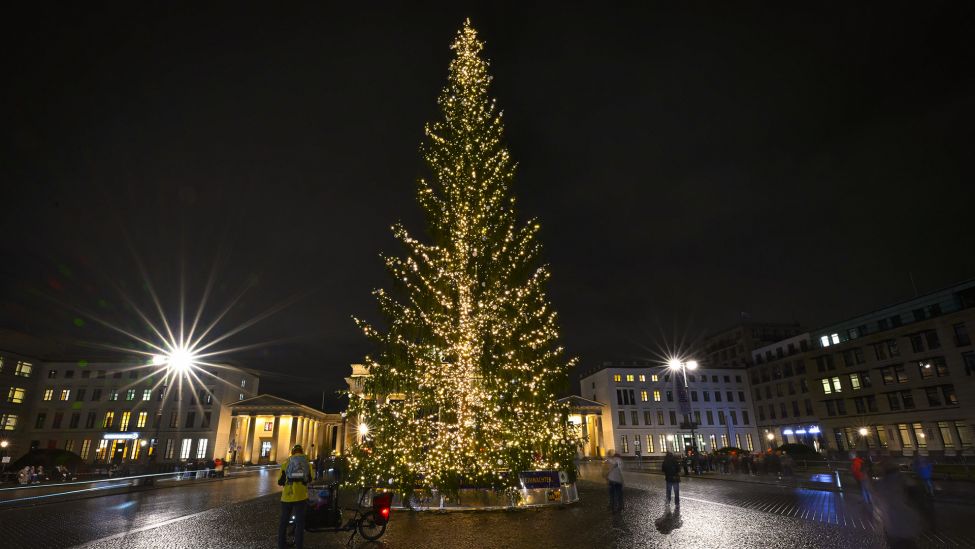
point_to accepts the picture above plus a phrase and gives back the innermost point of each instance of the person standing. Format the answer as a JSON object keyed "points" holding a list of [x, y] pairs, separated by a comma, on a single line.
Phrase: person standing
{"points": [[671, 470], [295, 475], [859, 471], [613, 473]]}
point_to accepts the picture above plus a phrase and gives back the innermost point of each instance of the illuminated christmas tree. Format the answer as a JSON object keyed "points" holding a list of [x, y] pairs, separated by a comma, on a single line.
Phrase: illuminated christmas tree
{"points": [[463, 388]]}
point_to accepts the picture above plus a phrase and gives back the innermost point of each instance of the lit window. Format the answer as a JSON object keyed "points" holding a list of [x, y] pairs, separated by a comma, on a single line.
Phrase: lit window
{"points": [[109, 420], [643, 396], [827, 388], [617, 377], [147, 394], [656, 396], [113, 394], [143, 416], [184, 450], [85, 448], [836, 385], [201, 448], [130, 394], [240, 396], [643, 377], [102, 450], [23, 369], [48, 394], [125, 421], [265, 448], [16, 395], [65, 394], [824, 341], [855, 381], [835, 338], [653, 377], [8, 422], [629, 377], [268, 426], [243, 383]]}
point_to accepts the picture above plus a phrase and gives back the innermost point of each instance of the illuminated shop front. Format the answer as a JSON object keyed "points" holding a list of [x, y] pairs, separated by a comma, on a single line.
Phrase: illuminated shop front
{"points": [[810, 435]]}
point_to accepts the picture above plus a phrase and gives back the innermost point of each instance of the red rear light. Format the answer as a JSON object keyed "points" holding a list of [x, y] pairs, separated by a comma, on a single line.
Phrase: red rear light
{"points": [[384, 512]]}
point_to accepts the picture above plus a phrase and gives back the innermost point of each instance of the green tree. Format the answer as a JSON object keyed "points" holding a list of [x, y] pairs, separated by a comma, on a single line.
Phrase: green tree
{"points": [[464, 384]]}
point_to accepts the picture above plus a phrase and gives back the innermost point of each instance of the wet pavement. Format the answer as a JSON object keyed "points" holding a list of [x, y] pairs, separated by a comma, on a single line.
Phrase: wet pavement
{"points": [[714, 514], [69, 523]]}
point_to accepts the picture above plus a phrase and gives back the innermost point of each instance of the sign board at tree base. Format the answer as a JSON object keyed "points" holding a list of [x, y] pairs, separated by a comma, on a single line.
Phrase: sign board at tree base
{"points": [[539, 479]]}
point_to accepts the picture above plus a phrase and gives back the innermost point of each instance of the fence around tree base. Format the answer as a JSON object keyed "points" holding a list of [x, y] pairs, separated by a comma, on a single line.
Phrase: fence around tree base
{"points": [[486, 499]]}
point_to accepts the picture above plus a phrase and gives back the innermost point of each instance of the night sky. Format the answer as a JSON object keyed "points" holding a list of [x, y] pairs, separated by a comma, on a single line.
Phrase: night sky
{"points": [[688, 164]]}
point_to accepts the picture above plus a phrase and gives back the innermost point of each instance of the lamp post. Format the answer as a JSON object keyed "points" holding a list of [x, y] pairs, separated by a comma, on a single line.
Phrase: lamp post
{"points": [[771, 440], [678, 364], [3, 456]]}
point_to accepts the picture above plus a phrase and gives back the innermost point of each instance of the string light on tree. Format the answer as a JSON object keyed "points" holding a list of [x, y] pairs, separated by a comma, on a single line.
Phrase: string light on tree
{"points": [[464, 385]]}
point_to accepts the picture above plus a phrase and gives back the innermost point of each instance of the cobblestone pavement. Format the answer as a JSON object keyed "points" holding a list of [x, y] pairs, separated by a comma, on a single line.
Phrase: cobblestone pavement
{"points": [[841, 509], [714, 515]]}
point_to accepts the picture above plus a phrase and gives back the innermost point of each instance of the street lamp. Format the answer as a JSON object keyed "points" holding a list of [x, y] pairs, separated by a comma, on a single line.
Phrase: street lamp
{"points": [[3, 455], [677, 364]]}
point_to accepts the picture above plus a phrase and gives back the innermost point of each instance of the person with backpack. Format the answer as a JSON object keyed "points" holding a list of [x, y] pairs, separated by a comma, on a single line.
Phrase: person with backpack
{"points": [[295, 476]]}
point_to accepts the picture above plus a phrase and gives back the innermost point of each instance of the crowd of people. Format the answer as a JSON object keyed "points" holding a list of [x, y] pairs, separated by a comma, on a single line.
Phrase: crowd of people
{"points": [[31, 474], [734, 463]]}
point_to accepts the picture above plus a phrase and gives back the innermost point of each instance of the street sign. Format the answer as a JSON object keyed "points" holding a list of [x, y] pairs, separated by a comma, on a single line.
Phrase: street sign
{"points": [[539, 479], [120, 436]]}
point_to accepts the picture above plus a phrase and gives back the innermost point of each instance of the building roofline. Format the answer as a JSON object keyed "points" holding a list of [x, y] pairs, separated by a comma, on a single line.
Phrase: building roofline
{"points": [[586, 401], [284, 402], [965, 284]]}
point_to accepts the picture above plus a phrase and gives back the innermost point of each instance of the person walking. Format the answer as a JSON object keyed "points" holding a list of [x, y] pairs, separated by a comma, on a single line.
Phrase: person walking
{"points": [[295, 475], [613, 473], [671, 470], [894, 507], [858, 468], [924, 470]]}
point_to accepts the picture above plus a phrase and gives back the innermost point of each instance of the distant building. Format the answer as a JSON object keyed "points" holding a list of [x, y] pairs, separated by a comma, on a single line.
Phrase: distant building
{"points": [[115, 412], [585, 416], [264, 428], [897, 380], [783, 396], [18, 384], [732, 347], [643, 416]]}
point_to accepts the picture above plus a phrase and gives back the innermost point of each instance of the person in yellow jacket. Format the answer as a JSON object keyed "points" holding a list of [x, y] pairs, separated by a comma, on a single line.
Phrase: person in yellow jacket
{"points": [[295, 476]]}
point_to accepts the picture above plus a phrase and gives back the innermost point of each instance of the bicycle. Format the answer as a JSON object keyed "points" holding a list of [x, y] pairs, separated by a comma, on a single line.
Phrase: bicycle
{"points": [[323, 514]]}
